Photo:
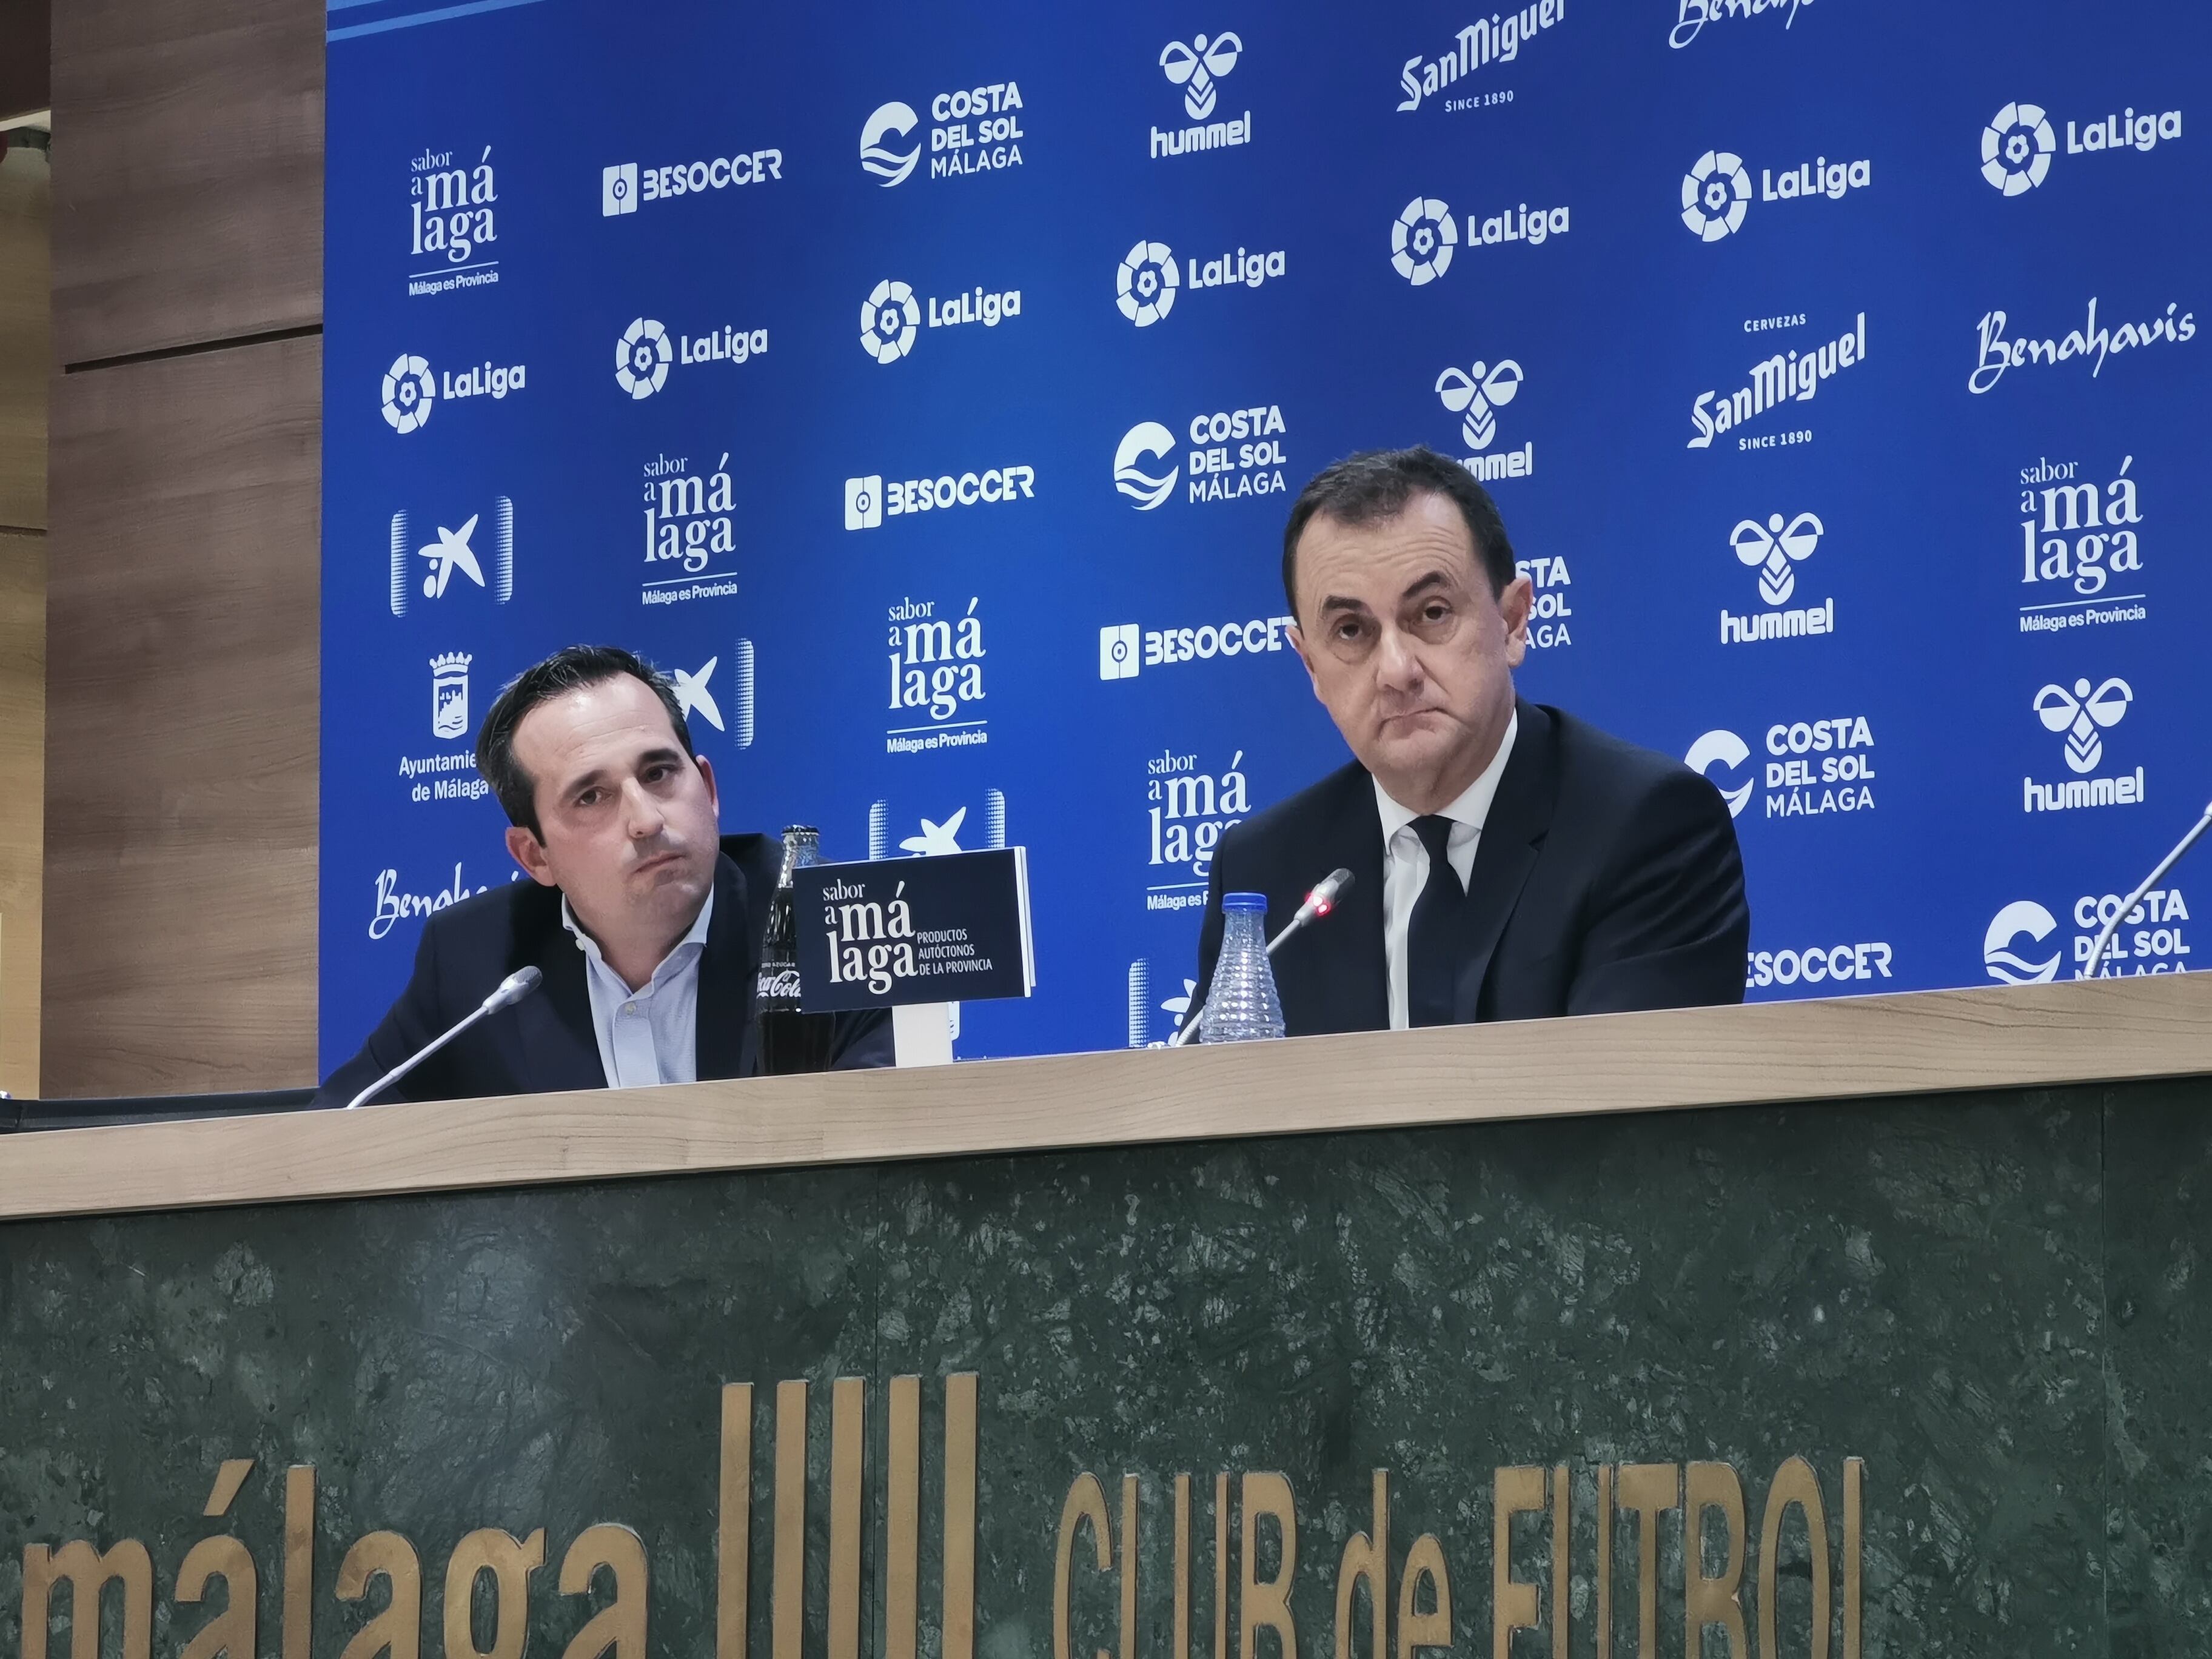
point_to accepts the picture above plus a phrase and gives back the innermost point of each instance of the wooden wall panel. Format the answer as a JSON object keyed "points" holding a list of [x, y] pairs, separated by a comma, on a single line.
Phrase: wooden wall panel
{"points": [[182, 746], [22, 800], [25, 340], [189, 179]]}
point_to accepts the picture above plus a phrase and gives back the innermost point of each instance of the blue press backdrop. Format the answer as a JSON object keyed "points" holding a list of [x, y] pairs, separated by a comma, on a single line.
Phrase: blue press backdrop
{"points": [[528, 200]]}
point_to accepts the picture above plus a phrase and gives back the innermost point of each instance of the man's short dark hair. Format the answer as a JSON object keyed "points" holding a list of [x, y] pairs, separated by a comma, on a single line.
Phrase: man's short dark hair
{"points": [[568, 670], [1377, 484]]}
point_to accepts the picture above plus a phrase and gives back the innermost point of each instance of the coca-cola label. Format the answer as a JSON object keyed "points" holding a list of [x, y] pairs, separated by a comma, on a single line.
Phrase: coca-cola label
{"points": [[779, 984]]}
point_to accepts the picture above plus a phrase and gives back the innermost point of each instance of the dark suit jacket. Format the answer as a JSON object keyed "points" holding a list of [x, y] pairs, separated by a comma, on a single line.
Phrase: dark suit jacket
{"points": [[1607, 878], [546, 1042]]}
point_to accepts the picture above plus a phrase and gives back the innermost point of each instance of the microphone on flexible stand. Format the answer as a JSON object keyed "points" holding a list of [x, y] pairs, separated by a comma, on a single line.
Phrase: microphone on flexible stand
{"points": [[1319, 903], [2149, 882], [511, 989]]}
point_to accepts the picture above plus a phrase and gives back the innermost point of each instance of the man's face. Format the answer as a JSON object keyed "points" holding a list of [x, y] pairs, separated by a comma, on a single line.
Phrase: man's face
{"points": [[628, 823], [1409, 650]]}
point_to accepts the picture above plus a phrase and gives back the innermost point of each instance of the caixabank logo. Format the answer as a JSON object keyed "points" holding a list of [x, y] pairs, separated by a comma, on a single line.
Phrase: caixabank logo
{"points": [[1426, 82], [2020, 142], [1234, 453], [452, 210], [468, 555], [2080, 713], [893, 315], [1776, 547], [412, 390], [1197, 67], [1717, 192], [2081, 551], [2024, 945], [2093, 343], [1812, 768], [1787, 376], [971, 130], [1148, 279], [646, 350]]}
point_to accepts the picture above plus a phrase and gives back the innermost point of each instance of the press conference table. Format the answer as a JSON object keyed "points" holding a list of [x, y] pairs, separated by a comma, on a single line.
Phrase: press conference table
{"points": [[1940, 1252]]}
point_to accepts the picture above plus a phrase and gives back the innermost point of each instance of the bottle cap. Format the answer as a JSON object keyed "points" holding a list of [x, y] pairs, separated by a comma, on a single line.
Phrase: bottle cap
{"points": [[1244, 901]]}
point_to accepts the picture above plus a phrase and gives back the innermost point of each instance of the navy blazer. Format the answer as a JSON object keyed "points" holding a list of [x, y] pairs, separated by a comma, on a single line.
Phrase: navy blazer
{"points": [[1607, 877], [546, 1042]]}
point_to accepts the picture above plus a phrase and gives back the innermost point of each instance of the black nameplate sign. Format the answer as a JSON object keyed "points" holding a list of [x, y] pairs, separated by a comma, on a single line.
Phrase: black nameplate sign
{"points": [[954, 928]]}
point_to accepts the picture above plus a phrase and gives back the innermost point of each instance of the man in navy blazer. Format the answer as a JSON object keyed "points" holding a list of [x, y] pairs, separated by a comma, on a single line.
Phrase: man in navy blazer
{"points": [[1508, 861], [646, 921]]}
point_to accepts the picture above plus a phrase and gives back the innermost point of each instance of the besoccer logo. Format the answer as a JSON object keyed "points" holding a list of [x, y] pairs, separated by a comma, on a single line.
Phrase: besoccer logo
{"points": [[1422, 241], [1728, 750], [1148, 440], [641, 358], [409, 394], [1716, 195], [618, 190], [1120, 652], [1476, 394], [890, 166], [2016, 148], [1145, 284], [2080, 713], [1197, 66], [2008, 966], [1773, 547], [889, 318]]}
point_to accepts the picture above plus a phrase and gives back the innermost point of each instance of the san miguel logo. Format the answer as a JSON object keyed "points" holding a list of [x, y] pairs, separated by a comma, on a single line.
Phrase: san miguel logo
{"points": [[1729, 1573]]}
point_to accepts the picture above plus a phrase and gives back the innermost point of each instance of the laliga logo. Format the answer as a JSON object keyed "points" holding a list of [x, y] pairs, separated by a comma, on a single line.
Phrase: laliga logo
{"points": [[2004, 965], [1197, 66], [409, 394], [641, 358], [891, 165], [1773, 547], [1422, 241], [2080, 713], [2016, 148], [1478, 391], [1730, 751], [889, 318], [1148, 440], [1716, 195], [1144, 284]]}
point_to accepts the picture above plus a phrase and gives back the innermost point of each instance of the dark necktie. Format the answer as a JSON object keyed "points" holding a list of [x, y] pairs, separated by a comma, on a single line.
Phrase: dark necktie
{"points": [[1432, 936]]}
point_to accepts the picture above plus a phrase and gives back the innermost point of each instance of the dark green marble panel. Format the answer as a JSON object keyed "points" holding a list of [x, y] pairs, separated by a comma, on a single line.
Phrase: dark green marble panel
{"points": [[1919, 1284], [2158, 1380]]}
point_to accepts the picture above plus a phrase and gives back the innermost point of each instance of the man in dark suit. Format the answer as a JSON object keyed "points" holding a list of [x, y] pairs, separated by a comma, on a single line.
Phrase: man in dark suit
{"points": [[646, 921], [1508, 861]]}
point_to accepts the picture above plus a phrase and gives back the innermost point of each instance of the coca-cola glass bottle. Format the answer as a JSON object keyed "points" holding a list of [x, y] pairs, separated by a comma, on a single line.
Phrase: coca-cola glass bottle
{"points": [[790, 1041]]}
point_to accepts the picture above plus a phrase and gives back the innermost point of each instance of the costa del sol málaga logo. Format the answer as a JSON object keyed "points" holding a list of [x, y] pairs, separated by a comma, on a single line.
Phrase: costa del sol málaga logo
{"points": [[1773, 547], [1148, 440], [889, 318], [1197, 66], [1476, 394], [1422, 241], [409, 394], [1716, 195], [641, 358], [1144, 284], [890, 166], [2016, 148], [2009, 965]]}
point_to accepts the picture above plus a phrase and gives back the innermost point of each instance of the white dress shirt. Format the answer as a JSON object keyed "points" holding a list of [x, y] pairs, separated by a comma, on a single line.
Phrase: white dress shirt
{"points": [[650, 1035], [1405, 860]]}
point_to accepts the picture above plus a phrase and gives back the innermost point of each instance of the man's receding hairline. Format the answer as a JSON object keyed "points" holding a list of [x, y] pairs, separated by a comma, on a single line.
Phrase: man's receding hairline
{"points": [[675, 746], [1419, 494]]}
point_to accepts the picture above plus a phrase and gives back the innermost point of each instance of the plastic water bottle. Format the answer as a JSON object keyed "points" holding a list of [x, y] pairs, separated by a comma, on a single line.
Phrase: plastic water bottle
{"points": [[1243, 1006]]}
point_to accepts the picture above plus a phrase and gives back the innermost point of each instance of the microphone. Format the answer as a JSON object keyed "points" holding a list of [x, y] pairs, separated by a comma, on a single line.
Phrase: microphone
{"points": [[511, 989], [2149, 881], [1319, 903]]}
